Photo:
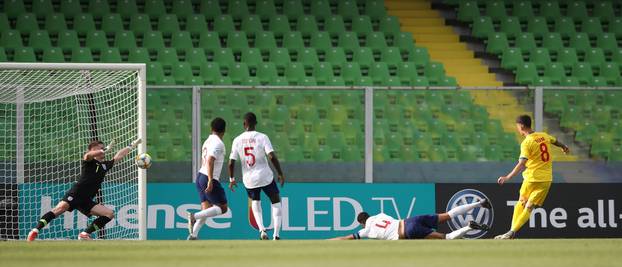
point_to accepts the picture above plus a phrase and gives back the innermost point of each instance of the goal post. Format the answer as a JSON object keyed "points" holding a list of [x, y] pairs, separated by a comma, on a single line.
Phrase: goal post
{"points": [[48, 114]]}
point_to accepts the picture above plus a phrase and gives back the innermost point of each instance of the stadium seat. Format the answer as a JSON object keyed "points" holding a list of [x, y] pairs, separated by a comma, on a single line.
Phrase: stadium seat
{"points": [[54, 23], [110, 55], [224, 57], [223, 24], [52, 54], [10, 40], [140, 24], [39, 40], [376, 41], [537, 26], [391, 56], [265, 41], [320, 41], [209, 40], [167, 57], [196, 57], [154, 8], [552, 41], [363, 56], [24, 54], [71, 8], [390, 25], [375, 9], [308, 57], [594, 57], [582, 72], [591, 26], [362, 25], [567, 56], [96, 41], [580, 42], [468, 11], [167, 24], [196, 24], [68, 40], [280, 57], [293, 41], [555, 72], [522, 10], [320, 9], [182, 8], [266, 72], [549, 9], [404, 41], [251, 25], [510, 25], [295, 73], [610, 71], [98, 8], [210, 71], [279, 25], [181, 40], [351, 73], [497, 43], [323, 73], [83, 23], [238, 72], [379, 72], [347, 9], [576, 10], [511, 58], [293, 9], [153, 41], [81, 55], [419, 56], [238, 9], [482, 27], [182, 72], [526, 73], [336, 56], [525, 41], [26, 23], [607, 42], [210, 8]]}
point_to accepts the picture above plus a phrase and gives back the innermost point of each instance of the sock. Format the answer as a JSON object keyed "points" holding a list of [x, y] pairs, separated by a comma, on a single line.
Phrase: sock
{"points": [[518, 209], [97, 224], [523, 217], [276, 218], [45, 219], [197, 226], [209, 212], [458, 233], [463, 209], [257, 213]]}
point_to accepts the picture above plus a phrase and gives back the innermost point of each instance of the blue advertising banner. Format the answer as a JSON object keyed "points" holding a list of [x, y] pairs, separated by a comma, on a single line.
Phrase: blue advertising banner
{"points": [[310, 210]]}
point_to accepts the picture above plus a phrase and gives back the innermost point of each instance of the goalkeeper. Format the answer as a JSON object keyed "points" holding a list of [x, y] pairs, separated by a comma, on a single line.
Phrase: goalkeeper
{"points": [[80, 197]]}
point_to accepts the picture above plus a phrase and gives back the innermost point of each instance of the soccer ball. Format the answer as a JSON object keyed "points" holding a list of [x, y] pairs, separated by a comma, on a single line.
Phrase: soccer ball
{"points": [[143, 161]]}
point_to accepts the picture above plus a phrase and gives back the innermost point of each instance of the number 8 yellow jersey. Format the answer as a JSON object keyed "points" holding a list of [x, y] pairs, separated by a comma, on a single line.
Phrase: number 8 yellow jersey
{"points": [[536, 149]]}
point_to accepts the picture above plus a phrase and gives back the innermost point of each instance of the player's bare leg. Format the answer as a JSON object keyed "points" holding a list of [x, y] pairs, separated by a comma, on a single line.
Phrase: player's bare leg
{"points": [[60, 208], [276, 215], [104, 214]]}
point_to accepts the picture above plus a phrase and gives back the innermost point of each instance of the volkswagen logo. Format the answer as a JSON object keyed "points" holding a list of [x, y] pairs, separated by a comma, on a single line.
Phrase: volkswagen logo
{"points": [[480, 215]]}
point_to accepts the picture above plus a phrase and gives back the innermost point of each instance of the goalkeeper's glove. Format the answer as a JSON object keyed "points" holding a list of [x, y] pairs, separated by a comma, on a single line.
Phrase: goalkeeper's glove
{"points": [[109, 146], [135, 143]]}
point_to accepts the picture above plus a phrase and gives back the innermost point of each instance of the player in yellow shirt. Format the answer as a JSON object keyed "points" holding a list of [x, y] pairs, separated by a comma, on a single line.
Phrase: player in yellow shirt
{"points": [[535, 155]]}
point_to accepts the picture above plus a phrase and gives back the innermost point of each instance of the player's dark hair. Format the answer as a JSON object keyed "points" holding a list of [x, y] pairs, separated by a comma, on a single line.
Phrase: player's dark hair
{"points": [[95, 143], [250, 119], [525, 120], [218, 125], [362, 217]]}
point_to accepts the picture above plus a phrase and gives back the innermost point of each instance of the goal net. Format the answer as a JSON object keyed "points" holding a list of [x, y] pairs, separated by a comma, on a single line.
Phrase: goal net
{"points": [[48, 115]]}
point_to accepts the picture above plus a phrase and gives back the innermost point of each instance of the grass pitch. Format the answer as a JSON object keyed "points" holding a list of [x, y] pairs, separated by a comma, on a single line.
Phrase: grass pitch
{"points": [[480, 253]]}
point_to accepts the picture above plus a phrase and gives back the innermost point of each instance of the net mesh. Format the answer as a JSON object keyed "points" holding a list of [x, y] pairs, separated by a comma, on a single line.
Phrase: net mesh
{"points": [[47, 118]]}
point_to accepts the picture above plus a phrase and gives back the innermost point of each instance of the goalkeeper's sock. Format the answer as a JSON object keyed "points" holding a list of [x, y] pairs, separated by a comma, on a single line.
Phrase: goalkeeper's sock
{"points": [[276, 218], [458, 233], [45, 219], [463, 209], [209, 212], [523, 217], [197, 226], [518, 210], [97, 224], [257, 213]]}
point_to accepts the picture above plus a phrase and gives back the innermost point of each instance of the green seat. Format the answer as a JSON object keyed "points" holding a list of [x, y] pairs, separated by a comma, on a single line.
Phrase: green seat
{"points": [[601, 145], [81, 55], [279, 81], [52, 54], [549, 9], [210, 71], [224, 57], [496, 10], [598, 81], [195, 24], [293, 9], [379, 73], [569, 81], [280, 57], [238, 9], [391, 56], [167, 57], [125, 41], [336, 56], [153, 41], [39, 40], [26, 23], [542, 81], [155, 73], [526, 73], [181, 72], [70, 8], [607, 42], [525, 41], [555, 72], [523, 10], [24, 54], [306, 25], [591, 26], [576, 10], [336, 81], [604, 10], [126, 8], [238, 72], [468, 11], [181, 40], [419, 56], [595, 57], [362, 25], [293, 41], [308, 57], [279, 25], [168, 24], [376, 41], [404, 41], [140, 24], [390, 25], [265, 9], [182, 8], [552, 41], [580, 42], [138, 55], [375, 9], [223, 24], [565, 26], [112, 23], [68, 40], [209, 40], [510, 26], [154, 8], [482, 27], [306, 81], [194, 80], [347, 9], [251, 25], [252, 57], [83, 23], [537, 26], [295, 73], [96, 41], [320, 41], [334, 25], [11, 39], [54, 23], [351, 73], [320, 9], [110, 55], [14, 8], [266, 72], [323, 73], [583, 72], [98, 8], [210, 8], [363, 56], [406, 71], [434, 71], [196, 57], [610, 71], [540, 57], [568, 57], [511, 58], [497, 43]]}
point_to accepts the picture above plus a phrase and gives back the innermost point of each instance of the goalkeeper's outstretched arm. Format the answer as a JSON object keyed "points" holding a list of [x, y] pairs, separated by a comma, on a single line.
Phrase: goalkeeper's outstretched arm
{"points": [[123, 152]]}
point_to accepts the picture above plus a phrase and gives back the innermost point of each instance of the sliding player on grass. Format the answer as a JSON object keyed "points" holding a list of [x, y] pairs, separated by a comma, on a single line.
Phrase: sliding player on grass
{"points": [[252, 147], [94, 168], [385, 227], [211, 193], [535, 156]]}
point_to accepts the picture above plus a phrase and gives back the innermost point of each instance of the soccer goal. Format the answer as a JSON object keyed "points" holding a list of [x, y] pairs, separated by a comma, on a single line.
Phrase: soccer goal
{"points": [[48, 114]]}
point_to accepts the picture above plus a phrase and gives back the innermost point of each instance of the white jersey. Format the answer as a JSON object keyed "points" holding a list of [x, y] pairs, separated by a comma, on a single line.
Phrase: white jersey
{"points": [[252, 147], [381, 226], [213, 147]]}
